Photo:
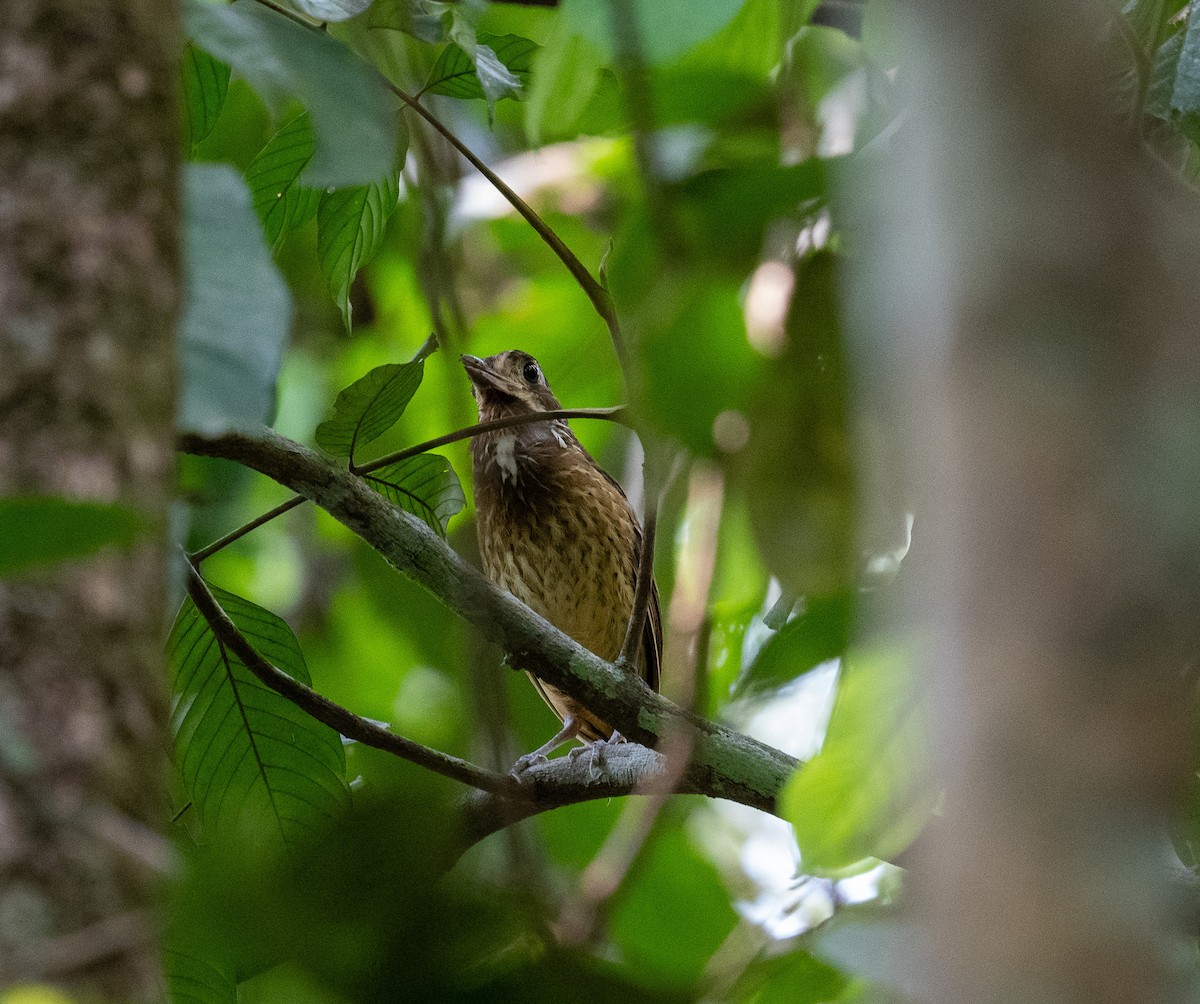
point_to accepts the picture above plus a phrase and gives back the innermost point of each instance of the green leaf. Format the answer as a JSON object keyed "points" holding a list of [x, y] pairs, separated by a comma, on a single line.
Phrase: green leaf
{"points": [[238, 309], [819, 634], [868, 793], [499, 70], [372, 404], [332, 10], [353, 113], [566, 71], [253, 764], [664, 29], [1160, 90], [205, 84], [42, 530], [794, 978], [1185, 94], [281, 202], [799, 464], [425, 486], [350, 225], [192, 980]]}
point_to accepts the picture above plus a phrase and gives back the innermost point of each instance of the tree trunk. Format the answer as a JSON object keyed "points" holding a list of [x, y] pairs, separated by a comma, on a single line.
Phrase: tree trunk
{"points": [[89, 288], [1040, 329]]}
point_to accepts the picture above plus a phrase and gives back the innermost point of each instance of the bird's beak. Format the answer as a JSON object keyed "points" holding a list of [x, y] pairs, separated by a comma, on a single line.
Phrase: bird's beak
{"points": [[482, 375]]}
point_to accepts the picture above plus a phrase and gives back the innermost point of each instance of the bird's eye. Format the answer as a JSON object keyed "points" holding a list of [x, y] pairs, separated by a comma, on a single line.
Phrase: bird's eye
{"points": [[530, 372]]}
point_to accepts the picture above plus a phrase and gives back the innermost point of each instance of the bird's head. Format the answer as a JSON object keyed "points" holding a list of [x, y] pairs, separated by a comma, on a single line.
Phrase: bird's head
{"points": [[508, 383]]}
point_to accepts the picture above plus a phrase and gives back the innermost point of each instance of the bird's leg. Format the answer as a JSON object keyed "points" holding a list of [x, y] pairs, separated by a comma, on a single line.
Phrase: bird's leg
{"points": [[570, 729]]}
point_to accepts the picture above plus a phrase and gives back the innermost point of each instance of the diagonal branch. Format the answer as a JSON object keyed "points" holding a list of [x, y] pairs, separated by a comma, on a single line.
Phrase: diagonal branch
{"points": [[725, 763]]}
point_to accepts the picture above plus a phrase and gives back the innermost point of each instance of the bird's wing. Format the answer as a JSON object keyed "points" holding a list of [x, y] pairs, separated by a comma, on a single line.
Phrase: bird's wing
{"points": [[652, 639]]}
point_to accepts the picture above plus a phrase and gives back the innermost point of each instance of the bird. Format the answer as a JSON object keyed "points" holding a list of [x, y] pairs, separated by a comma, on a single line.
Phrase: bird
{"points": [[557, 532]]}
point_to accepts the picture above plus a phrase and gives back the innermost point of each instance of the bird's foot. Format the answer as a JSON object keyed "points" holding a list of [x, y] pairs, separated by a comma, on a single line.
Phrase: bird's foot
{"points": [[595, 750], [525, 762]]}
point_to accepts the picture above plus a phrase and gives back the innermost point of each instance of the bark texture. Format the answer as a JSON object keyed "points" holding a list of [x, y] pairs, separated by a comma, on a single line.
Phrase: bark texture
{"points": [[1042, 319], [89, 289]]}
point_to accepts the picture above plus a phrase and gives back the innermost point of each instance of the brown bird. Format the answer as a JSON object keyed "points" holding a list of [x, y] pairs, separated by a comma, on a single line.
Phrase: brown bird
{"points": [[557, 532]]}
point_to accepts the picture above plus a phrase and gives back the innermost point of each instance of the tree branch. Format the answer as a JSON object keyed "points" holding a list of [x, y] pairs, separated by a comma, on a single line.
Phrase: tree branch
{"points": [[725, 763]]}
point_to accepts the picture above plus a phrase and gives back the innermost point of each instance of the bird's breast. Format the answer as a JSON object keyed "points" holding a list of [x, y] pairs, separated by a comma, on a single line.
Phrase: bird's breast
{"points": [[562, 539]]}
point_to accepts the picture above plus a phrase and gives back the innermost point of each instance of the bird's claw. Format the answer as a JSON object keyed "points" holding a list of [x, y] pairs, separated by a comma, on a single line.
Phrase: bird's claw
{"points": [[525, 762]]}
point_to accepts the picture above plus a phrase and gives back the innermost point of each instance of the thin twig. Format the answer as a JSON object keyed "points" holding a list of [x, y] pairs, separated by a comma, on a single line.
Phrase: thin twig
{"points": [[595, 292], [335, 716], [614, 414], [207, 552]]}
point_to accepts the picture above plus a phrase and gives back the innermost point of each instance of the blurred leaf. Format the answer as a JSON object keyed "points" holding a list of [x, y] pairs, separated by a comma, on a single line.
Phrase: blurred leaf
{"points": [[564, 76], [818, 60], [1160, 89], [1185, 93], [238, 310], [781, 611], [794, 978], [332, 10], [663, 29], [205, 84], [868, 793], [674, 913], [253, 763], [799, 466], [353, 114], [754, 195], [372, 404], [499, 70], [40, 530], [696, 362], [425, 486], [350, 225], [874, 943], [192, 980], [819, 634], [273, 177]]}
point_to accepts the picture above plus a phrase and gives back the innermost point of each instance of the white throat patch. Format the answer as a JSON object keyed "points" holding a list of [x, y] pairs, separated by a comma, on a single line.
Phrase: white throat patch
{"points": [[506, 458]]}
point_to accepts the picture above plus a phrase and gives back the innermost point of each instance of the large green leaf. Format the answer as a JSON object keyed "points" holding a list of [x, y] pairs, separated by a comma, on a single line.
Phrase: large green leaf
{"points": [[425, 486], [868, 793], [192, 980], [353, 114], [664, 29], [281, 202], [42, 530], [819, 634], [238, 309], [499, 70], [205, 84], [350, 225], [799, 464], [372, 404], [565, 74], [254, 765]]}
